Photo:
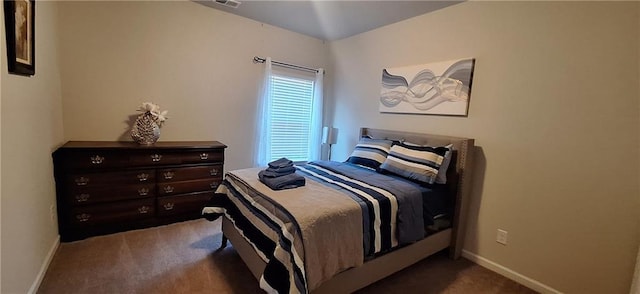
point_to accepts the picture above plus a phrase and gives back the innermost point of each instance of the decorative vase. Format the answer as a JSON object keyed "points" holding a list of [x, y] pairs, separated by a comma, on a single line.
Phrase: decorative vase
{"points": [[145, 130]]}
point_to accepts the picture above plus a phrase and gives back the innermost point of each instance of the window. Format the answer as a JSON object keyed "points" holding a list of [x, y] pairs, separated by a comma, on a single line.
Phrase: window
{"points": [[290, 123]]}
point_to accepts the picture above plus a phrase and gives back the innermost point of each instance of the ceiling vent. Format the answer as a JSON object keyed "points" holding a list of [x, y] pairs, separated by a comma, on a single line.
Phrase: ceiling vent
{"points": [[229, 3]]}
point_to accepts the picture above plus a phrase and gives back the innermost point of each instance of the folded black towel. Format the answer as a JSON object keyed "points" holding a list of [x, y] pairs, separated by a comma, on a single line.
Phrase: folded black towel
{"points": [[278, 172], [282, 162], [289, 181]]}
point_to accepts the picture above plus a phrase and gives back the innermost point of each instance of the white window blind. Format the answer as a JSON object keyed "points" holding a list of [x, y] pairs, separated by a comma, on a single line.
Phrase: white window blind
{"points": [[292, 100]]}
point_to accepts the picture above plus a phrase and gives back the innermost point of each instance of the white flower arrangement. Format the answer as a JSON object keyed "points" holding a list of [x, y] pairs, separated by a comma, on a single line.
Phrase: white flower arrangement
{"points": [[154, 110]]}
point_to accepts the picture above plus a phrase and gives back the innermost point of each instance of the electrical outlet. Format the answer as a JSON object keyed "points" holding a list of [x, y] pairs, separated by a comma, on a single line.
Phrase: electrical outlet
{"points": [[502, 237]]}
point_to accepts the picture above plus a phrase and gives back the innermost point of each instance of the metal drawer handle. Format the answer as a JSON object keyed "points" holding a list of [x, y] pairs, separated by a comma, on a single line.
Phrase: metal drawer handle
{"points": [[82, 197], [143, 209], [156, 157], [143, 191], [214, 185], [83, 217], [143, 177], [82, 181], [168, 175], [97, 159], [213, 172], [204, 156], [168, 206], [168, 189]]}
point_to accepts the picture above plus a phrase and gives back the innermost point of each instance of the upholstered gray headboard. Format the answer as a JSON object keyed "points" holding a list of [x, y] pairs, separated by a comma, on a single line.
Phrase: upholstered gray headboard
{"points": [[463, 156]]}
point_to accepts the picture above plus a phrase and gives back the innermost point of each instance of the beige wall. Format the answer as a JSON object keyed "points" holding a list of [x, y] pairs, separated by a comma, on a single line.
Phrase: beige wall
{"points": [[2, 65], [635, 285], [190, 59], [554, 88], [555, 113], [31, 121]]}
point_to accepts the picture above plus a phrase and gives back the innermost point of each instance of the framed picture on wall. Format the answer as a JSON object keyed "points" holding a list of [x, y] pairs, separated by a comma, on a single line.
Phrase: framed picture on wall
{"points": [[19, 20], [437, 88]]}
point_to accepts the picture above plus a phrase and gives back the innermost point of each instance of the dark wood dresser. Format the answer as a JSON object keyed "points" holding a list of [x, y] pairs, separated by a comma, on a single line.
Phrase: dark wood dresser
{"points": [[106, 187]]}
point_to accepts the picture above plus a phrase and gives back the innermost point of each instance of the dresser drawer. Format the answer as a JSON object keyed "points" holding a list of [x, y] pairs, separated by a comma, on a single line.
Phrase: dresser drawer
{"points": [[113, 213], [106, 187], [190, 173], [186, 203], [96, 159], [174, 188], [89, 195], [155, 158], [111, 178], [203, 156]]}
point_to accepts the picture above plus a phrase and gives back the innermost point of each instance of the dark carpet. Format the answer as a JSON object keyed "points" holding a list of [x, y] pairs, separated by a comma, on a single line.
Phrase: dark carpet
{"points": [[182, 258]]}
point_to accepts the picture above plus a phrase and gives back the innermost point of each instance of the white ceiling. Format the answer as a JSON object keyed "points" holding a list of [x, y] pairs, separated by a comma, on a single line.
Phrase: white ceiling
{"points": [[330, 20]]}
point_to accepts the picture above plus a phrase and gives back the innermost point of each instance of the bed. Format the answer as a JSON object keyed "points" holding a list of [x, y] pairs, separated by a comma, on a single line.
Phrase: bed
{"points": [[321, 238]]}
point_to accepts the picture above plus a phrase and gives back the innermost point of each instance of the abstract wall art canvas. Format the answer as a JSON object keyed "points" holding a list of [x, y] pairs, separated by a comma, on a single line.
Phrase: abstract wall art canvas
{"points": [[439, 88]]}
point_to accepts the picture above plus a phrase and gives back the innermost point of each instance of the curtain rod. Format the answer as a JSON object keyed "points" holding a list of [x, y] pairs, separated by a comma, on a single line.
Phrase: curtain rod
{"points": [[257, 59]]}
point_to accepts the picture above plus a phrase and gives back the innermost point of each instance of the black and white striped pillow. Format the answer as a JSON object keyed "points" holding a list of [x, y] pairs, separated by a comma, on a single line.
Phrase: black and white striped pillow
{"points": [[370, 152], [442, 171], [418, 163]]}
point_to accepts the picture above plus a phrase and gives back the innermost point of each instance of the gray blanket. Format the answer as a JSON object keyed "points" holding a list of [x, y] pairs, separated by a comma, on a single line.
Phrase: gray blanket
{"points": [[309, 234], [385, 198]]}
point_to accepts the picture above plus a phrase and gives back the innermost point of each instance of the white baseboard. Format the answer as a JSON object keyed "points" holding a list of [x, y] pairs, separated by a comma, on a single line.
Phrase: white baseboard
{"points": [[522, 279], [45, 266]]}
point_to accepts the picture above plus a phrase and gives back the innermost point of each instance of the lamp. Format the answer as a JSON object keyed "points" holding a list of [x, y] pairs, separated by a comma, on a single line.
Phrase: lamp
{"points": [[329, 136]]}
